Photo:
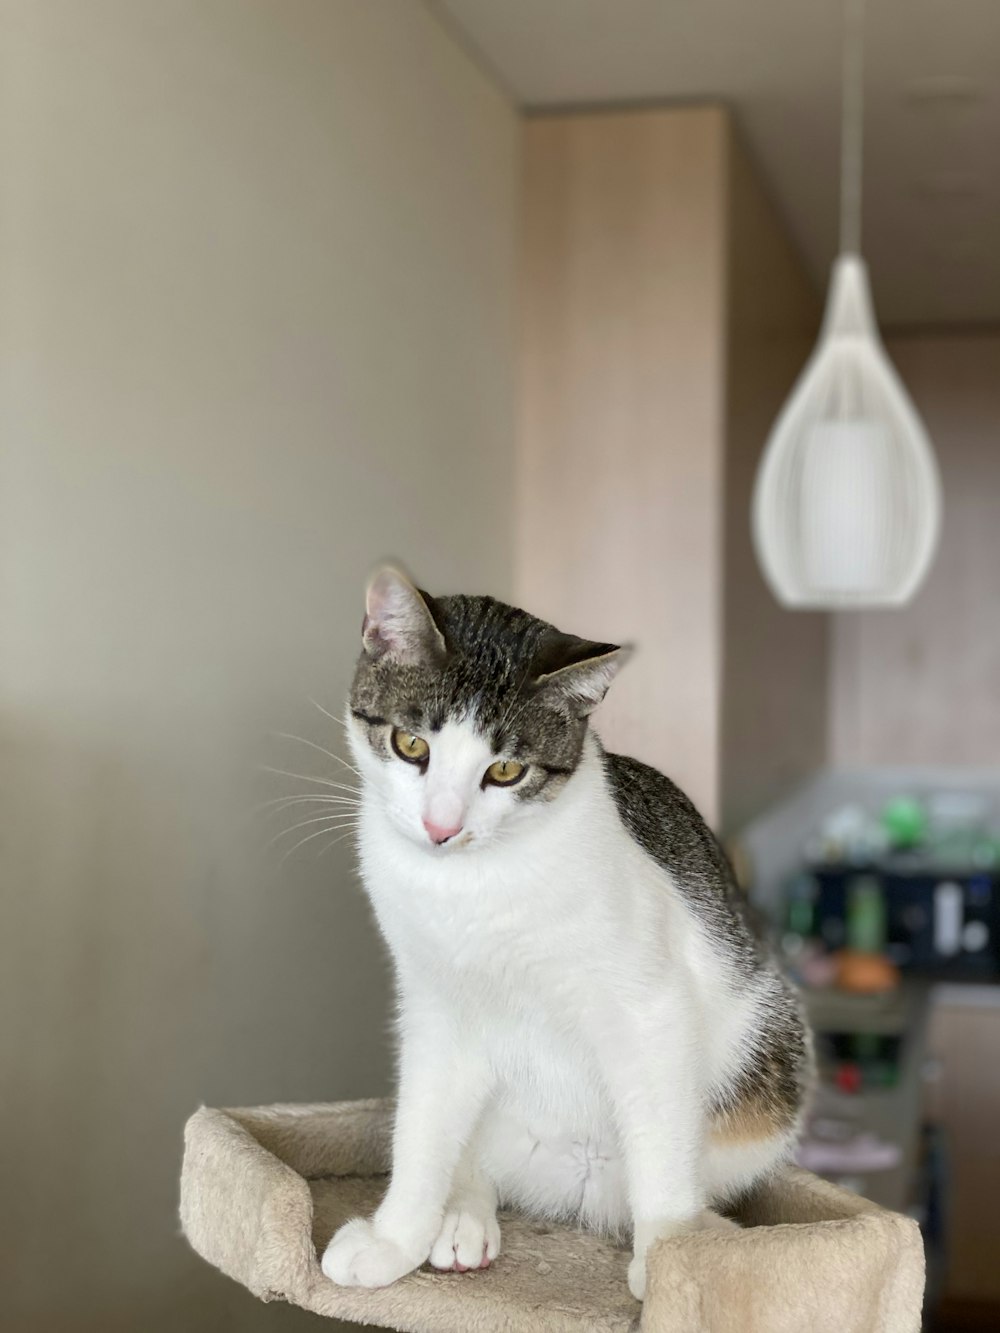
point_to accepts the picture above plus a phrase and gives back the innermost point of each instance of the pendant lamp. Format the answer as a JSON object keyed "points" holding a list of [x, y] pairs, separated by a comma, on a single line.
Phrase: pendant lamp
{"points": [[847, 501]]}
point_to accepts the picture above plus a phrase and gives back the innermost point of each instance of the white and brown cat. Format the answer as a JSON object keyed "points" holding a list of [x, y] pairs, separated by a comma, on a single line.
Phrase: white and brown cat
{"points": [[589, 1028]]}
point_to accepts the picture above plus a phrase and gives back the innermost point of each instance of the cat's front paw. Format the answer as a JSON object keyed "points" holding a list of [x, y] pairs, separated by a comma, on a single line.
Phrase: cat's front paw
{"points": [[358, 1256], [469, 1238], [637, 1276]]}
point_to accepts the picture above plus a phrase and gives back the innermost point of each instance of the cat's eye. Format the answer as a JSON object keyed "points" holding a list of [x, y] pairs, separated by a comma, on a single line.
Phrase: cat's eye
{"points": [[414, 749], [504, 773]]}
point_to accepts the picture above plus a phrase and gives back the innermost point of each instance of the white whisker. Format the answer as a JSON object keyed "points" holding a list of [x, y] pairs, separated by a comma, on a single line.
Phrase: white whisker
{"points": [[310, 777], [334, 842], [287, 735], [339, 720], [303, 842], [282, 802], [341, 820]]}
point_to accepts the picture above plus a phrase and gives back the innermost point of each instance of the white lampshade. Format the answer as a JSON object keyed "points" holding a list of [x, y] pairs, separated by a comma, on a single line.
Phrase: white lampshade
{"points": [[847, 505]]}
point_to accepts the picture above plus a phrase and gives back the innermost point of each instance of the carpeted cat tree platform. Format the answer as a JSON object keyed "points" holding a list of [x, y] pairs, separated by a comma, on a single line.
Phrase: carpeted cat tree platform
{"points": [[263, 1190]]}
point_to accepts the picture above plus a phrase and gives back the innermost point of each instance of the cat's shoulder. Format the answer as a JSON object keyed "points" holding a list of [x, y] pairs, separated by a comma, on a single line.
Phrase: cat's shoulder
{"points": [[640, 790], [662, 818]]}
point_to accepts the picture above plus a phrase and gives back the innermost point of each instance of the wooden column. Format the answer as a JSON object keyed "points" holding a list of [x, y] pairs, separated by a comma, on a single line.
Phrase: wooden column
{"points": [[624, 416]]}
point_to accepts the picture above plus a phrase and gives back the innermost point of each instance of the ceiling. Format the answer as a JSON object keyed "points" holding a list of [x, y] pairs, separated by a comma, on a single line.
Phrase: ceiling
{"points": [[932, 139]]}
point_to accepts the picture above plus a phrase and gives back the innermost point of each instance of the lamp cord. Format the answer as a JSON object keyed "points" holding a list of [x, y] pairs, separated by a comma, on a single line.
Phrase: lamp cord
{"points": [[852, 126]]}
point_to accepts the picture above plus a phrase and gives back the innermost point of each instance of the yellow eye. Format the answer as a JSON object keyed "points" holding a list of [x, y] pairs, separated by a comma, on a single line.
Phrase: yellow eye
{"points": [[414, 749], [504, 773]]}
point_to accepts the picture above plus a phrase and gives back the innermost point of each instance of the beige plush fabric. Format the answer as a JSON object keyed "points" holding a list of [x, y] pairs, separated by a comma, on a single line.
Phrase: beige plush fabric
{"points": [[263, 1190]]}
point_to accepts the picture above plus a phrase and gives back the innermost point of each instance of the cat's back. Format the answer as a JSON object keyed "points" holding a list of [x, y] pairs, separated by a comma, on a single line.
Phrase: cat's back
{"points": [[664, 822]]}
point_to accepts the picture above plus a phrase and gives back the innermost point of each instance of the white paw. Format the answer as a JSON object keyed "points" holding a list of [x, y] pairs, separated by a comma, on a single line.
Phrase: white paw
{"points": [[468, 1239], [637, 1277], [359, 1257], [645, 1236]]}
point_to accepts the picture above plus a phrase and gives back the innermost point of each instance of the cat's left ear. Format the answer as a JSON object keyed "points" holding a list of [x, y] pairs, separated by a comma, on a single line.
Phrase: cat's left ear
{"points": [[399, 622], [580, 685]]}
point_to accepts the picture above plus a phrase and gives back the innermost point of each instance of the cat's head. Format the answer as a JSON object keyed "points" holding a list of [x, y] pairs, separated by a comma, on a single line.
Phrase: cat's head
{"points": [[468, 716]]}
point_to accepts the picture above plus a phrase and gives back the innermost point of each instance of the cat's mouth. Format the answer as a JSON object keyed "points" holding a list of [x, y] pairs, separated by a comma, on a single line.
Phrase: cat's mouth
{"points": [[463, 839]]}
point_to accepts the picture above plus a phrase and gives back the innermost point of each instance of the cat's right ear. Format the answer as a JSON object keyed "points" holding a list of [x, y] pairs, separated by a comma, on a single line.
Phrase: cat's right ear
{"points": [[398, 620], [580, 685]]}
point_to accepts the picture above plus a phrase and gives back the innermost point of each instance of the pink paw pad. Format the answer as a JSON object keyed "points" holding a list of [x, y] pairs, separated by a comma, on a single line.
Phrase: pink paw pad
{"points": [[465, 1268]]}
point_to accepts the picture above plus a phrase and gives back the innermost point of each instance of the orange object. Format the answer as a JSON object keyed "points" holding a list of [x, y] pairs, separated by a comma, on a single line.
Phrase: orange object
{"points": [[865, 973]]}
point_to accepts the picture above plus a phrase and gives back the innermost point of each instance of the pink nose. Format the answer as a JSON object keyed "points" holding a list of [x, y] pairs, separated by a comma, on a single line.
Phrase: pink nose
{"points": [[438, 834]]}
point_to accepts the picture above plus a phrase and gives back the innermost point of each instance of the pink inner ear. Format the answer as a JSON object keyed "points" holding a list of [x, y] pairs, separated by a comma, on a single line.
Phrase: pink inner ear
{"points": [[386, 613], [374, 637], [397, 621], [382, 636]]}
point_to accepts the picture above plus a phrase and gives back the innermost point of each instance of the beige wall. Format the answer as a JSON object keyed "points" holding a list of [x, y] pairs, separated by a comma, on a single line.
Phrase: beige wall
{"points": [[665, 318], [258, 273], [922, 685], [775, 662]]}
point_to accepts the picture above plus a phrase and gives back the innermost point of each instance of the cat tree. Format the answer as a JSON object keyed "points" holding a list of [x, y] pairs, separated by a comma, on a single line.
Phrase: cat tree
{"points": [[263, 1190]]}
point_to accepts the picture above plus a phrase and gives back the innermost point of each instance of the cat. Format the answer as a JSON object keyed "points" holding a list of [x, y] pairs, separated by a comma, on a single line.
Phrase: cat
{"points": [[590, 1029]]}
